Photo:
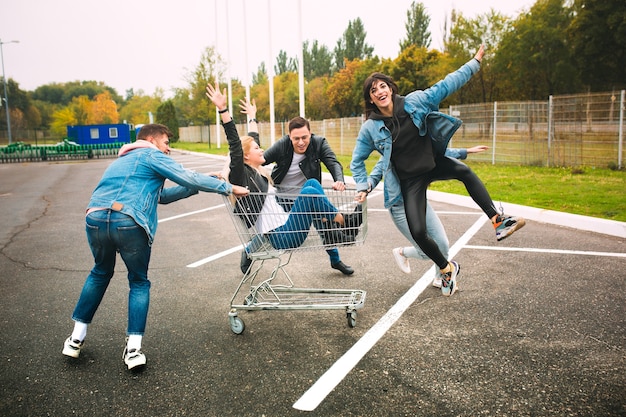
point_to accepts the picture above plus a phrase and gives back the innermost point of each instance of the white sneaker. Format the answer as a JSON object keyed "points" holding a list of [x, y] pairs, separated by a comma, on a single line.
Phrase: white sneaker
{"points": [[133, 358], [402, 261], [72, 348], [437, 280]]}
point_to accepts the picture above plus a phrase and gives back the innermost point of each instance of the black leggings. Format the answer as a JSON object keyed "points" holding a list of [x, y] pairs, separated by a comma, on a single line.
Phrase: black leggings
{"points": [[414, 195]]}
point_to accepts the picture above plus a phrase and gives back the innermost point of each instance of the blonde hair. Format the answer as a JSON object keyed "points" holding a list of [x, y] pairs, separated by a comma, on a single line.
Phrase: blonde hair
{"points": [[246, 146]]}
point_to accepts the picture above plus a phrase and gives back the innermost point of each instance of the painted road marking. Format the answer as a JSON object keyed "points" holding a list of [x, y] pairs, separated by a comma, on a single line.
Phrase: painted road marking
{"points": [[337, 372]]}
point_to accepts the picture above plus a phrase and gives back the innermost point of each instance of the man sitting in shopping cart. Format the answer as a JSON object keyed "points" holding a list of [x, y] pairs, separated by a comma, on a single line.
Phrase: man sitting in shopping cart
{"points": [[261, 209], [297, 157]]}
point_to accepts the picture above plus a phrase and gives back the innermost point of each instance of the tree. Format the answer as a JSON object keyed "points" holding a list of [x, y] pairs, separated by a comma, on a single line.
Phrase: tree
{"points": [[598, 40], [261, 75], [414, 69], [51, 93], [61, 119], [80, 107], [103, 110], [137, 109], [317, 60], [285, 64], [22, 113], [286, 95], [63, 93], [317, 103], [346, 86], [196, 109], [166, 115], [417, 22], [535, 56], [352, 45], [466, 35]]}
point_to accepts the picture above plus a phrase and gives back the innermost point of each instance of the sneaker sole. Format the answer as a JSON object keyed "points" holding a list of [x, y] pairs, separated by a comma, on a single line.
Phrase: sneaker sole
{"points": [[72, 353], [135, 363], [520, 223]]}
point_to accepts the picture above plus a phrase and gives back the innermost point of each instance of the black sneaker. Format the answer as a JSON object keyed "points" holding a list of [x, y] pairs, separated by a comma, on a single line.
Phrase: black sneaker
{"points": [[245, 262], [345, 269], [335, 236], [353, 221]]}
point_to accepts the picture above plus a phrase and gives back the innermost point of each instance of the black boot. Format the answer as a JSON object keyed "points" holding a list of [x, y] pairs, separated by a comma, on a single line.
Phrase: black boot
{"points": [[334, 235], [353, 221], [245, 262]]}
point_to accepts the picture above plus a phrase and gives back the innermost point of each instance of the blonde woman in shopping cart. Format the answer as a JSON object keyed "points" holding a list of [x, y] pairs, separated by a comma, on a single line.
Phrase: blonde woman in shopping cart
{"points": [[284, 230]]}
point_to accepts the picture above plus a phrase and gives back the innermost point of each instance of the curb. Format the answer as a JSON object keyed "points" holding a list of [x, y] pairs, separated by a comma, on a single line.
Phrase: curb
{"points": [[575, 221]]}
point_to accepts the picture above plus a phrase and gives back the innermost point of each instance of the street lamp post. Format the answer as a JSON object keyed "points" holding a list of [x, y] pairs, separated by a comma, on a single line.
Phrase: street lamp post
{"points": [[4, 81]]}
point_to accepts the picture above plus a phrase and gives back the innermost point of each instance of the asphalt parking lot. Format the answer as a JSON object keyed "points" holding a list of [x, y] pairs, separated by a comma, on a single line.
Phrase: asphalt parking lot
{"points": [[537, 328]]}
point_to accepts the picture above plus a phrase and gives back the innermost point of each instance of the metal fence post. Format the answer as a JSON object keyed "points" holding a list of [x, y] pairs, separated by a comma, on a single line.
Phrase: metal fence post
{"points": [[495, 128], [550, 109], [341, 135], [620, 142]]}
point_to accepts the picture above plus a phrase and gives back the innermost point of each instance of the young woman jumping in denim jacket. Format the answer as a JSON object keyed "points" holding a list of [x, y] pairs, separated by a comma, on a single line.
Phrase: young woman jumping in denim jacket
{"points": [[412, 137]]}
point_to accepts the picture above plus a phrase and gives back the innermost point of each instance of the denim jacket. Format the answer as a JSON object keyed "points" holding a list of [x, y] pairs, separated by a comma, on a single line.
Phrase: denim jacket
{"points": [[422, 106], [133, 185]]}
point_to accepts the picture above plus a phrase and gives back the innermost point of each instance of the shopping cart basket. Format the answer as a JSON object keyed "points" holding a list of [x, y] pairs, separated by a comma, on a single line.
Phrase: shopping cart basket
{"points": [[267, 285]]}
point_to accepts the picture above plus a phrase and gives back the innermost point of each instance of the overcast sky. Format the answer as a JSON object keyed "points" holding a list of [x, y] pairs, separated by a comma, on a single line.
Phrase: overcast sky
{"points": [[145, 44]]}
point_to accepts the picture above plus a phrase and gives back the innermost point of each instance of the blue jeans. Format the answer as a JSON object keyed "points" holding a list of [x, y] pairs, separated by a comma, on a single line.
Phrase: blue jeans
{"points": [[109, 232], [434, 228], [310, 207], [333, 253]]}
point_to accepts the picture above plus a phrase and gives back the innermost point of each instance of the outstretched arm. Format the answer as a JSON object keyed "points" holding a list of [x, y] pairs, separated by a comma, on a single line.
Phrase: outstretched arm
{"points": [[249, 108], [236, 166], [481, 52], [219, 98]]}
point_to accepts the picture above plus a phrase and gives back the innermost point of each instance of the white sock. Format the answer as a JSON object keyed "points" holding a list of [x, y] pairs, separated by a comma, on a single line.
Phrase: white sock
{"points": [[134, 342], [80, 331]]}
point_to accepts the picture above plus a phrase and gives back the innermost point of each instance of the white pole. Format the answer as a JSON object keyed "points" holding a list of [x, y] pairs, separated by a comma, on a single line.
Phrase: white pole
{"points": [[217, 78], [230, 83], [300, 60], [270, 74], [245, 51]]}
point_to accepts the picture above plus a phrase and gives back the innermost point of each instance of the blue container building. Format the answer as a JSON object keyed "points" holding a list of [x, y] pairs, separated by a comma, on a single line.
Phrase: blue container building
{"points": [[99, 134]]}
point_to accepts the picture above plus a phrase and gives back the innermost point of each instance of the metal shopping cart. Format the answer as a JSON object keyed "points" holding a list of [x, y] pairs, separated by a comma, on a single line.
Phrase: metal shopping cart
{"points": [[266, 285]]}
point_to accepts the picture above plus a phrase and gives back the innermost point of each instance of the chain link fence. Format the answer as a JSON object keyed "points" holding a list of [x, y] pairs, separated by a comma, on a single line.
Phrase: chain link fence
{"points": [[569, 130]]}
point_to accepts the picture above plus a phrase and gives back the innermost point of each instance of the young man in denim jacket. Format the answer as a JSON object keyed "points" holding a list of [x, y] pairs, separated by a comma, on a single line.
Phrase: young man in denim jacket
{"points": [[122, 217]]}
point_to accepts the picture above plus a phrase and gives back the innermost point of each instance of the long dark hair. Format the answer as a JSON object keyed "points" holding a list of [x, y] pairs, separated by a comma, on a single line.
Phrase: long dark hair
{"points": [[367, 86]]}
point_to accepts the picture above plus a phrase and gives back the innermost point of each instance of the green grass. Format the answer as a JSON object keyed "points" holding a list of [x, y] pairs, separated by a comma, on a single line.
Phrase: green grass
{"points": [[588, 191]]}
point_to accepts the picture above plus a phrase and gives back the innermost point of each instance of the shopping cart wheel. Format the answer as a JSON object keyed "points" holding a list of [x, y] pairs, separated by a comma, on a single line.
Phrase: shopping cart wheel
{"points": [[352, 318], [236, 323]]}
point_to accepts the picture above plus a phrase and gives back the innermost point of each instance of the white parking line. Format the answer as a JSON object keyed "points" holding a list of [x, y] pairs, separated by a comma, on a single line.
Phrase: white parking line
{"points": [[190, 213], [561, 251], [337, 372], [214, 257]]}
